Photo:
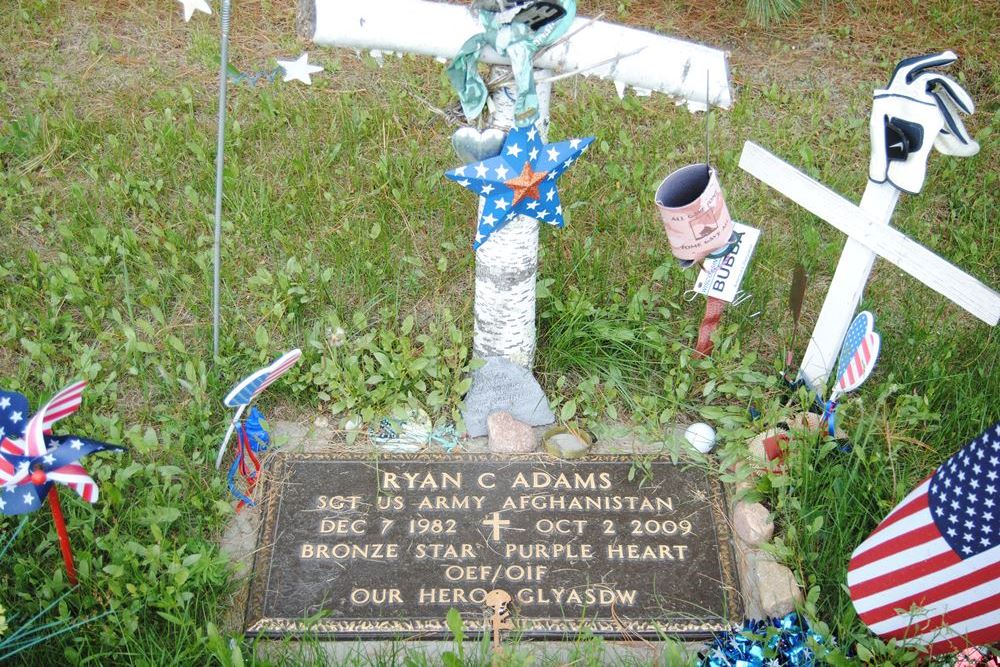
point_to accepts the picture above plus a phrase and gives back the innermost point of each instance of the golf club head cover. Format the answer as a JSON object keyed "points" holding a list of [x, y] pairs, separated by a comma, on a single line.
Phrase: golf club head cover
{"points": [[917, 111]]}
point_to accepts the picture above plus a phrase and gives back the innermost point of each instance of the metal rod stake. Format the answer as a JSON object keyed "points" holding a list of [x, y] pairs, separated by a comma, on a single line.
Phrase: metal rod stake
{"points": [[219, 149]]}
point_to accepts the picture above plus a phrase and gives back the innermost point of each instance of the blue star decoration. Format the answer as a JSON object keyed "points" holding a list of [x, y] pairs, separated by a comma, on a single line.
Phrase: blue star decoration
{"points": [[521, 180]]}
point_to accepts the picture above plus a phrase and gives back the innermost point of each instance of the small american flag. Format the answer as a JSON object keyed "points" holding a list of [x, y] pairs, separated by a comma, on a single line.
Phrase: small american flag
{"points": [[930, 573], [862, 325], [859, 365], [248, 388]]}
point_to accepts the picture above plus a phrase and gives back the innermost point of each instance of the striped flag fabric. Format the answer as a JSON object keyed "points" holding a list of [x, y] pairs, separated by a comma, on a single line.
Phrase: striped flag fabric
{"points": [[25, 481], [859, 365], [64, 403], [930, 573], [862, 325], [248, 388]]}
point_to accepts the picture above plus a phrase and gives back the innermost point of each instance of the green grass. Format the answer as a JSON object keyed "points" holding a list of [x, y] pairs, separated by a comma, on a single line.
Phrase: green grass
{"points": [[337, 215]]}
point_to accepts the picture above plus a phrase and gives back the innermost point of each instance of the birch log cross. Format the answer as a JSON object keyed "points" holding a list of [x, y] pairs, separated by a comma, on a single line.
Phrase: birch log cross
{"points": [[917, 111], [506, 265]]}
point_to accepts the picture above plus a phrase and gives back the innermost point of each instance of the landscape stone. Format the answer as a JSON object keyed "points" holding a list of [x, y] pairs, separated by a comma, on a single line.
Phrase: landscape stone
{"points": [[801, 421], [502, 385], [508, 435], [769, 588], [752, 523], [778, 590], [566, 445]]}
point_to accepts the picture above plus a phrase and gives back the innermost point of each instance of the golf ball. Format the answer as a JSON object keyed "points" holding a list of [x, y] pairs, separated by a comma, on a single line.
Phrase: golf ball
{"points": [[701, 436]]}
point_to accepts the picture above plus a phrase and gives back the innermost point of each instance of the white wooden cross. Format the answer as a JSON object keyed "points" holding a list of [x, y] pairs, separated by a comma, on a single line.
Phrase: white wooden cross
{"points": [[506, 265], [869, 235]]}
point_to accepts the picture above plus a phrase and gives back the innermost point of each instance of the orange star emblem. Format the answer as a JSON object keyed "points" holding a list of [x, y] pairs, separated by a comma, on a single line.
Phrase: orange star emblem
{"points": [[526, 184]]}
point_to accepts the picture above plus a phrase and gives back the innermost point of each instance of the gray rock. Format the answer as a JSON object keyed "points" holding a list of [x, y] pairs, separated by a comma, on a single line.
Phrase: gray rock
{"points": [[566, 445], [508, 435], [503, 386], [752, 523]]}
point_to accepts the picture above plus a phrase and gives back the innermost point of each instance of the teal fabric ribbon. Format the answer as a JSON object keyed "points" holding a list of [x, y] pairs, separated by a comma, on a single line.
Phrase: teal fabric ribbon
{"points": [[515, 41]]}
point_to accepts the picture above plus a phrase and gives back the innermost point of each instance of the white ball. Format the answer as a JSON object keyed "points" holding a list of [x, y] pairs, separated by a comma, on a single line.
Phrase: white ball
{"points": [[701, 436]]}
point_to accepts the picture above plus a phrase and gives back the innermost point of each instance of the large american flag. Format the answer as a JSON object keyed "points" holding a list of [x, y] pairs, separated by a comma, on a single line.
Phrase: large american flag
{"points": [[930, 573]]}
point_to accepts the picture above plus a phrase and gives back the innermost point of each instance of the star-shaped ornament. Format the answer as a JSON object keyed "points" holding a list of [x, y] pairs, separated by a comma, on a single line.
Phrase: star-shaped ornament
{"points": [[521, 180], [191, 5], [299, 69]]}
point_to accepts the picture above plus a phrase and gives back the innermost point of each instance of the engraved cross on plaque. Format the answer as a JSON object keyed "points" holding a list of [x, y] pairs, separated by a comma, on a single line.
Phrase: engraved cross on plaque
{"points": [[497, 524]]}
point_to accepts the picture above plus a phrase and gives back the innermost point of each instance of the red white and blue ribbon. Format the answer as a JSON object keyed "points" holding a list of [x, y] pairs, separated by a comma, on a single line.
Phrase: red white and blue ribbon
{"points": [[247, 389], [858, 356], [252, 440]]}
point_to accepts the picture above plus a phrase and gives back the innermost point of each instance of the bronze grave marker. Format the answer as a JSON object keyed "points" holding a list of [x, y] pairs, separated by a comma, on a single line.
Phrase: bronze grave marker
{"points": [[368, 548]]}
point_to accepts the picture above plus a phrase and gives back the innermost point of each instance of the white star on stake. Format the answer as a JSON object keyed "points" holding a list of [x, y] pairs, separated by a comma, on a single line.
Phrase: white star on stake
{"points": [[299, 69], [191, 5]]}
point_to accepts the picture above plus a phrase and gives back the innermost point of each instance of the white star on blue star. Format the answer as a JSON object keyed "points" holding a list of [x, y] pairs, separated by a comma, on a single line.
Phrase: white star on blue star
{"points": [[524, 181]]}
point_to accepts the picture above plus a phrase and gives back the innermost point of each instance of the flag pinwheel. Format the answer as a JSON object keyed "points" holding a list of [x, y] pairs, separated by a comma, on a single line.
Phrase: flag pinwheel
{"points": [[858, 356], [247, 389], [521, 180], [33, 461]]}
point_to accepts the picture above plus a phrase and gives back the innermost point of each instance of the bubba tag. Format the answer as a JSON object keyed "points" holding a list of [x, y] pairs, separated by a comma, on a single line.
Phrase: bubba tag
{"points": [[724, 274]]}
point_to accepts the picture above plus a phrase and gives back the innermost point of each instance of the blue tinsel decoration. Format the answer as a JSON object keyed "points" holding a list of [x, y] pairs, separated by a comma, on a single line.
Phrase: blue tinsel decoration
{"points": [[776, 642]]}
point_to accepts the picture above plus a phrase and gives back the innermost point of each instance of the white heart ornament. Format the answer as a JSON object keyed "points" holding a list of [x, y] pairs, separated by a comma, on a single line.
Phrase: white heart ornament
{"points": [[471, 145]]}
